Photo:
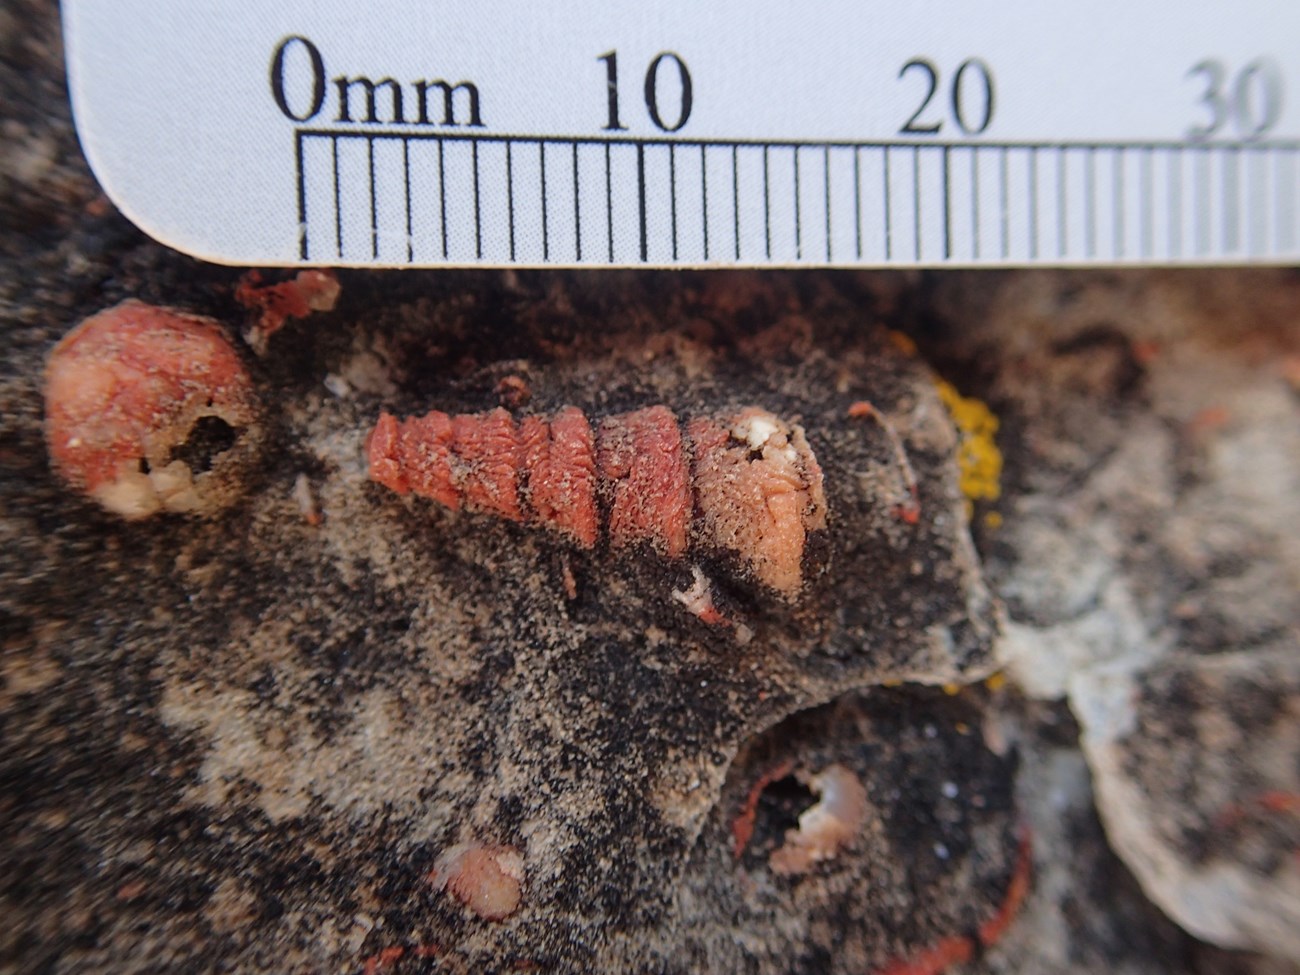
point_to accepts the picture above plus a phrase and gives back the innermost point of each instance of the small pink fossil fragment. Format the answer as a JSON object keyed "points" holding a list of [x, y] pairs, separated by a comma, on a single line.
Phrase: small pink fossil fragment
{"points": [[826, 827], [149, 408], [698, 599], [308, 291], [486, 879]]}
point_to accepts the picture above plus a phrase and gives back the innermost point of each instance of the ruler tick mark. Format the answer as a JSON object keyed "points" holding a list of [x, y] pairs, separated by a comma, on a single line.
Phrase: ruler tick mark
{"points": [[1148, 216], [609, 207], [640, 193], [1062, 191], [947, 205], [672, 192], [577, 208], [546, 228], [1231, 200], [735, 197], [798, 230], [889, 228], [338, 202], [1284, 190], [1117, 198], [1202, 174], [1279, 208], [1291, 198], [1033, 204], [1090, 203], [916, 202], [406, 181], [857, 199], [975, 201], [1175, 203], [704, 197], [510, 198], [767, 207], [826, 183], [1253, 190], [478, 218], [442, 197], [1003, 206], [374, 204], [302, 196]]}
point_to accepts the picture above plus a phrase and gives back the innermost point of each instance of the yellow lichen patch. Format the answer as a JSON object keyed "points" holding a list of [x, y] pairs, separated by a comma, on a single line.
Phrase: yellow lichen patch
{"points": [[978, 457], [995, 682]]}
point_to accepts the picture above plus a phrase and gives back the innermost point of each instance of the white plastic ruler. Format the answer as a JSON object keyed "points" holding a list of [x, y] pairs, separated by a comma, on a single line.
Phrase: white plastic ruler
{"points": [[750, 133]]}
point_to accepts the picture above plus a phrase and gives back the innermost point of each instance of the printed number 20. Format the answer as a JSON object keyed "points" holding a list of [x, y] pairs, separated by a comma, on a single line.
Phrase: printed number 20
{"points": [[971, 74]]}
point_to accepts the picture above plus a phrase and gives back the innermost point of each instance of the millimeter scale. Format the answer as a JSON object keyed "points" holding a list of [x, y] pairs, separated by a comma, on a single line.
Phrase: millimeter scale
{"points": [[597, 133]]}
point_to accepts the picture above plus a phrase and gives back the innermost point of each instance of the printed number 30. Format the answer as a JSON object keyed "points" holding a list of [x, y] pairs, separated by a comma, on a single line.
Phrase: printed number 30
{"points": [[1251, 99]]}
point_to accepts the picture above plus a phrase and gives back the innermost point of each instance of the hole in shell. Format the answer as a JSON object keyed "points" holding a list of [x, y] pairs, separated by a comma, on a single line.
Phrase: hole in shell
{"points": [[779, 808], [210, 436]]}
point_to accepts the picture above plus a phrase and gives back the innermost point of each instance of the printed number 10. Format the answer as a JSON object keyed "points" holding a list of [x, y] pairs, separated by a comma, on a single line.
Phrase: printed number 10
{"points": [[651, 91]]}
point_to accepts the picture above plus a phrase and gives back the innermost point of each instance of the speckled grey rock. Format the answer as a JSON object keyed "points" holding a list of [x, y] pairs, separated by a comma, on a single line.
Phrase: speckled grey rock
{"points": [[1195, 765], [1151, 570], [400, 679]]}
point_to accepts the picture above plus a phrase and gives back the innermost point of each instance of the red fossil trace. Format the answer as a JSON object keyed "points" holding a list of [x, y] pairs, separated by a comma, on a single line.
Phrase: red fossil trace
{"points": [[389, 957], [909, 511], [383, 959], [746, 483], [742, 827], [957, 949], [1269, 803]]}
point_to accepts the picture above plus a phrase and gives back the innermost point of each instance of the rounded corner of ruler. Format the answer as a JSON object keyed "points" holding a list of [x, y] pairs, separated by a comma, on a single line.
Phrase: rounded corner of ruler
{"points": [[159, 231]]}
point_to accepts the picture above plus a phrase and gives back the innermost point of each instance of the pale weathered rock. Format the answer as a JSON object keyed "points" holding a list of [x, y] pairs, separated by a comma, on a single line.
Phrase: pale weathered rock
{"points": [[1150, 552], [1197, 770]]}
